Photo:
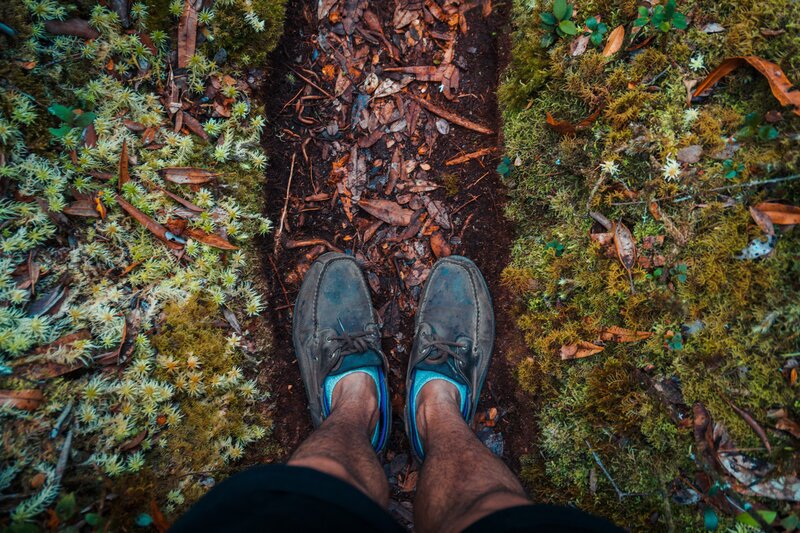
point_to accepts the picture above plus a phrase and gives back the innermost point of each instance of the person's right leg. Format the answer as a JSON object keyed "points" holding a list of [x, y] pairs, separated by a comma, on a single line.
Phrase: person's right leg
{"points": [[460, 481]]}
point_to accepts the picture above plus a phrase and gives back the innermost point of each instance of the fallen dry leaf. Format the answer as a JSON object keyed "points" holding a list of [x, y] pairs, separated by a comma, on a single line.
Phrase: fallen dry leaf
{"points": [[625, 245], [187, 175], [565, 127], [470, 156], [579, 350], [782, 88], [618, 334], [187, 33], [25, 399], [763, 221], [409, 482], [755, 426], [614, 43], [75, 27], [211, 239], [780, 214], [452, 117], [81, 208], [154, 227], [388, 211], [439, 245]]}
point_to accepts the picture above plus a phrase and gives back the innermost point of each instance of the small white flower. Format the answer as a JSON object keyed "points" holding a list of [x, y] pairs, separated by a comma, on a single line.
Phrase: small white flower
{"points": [[690, 115], [609, 167], [697, 62], [672, 169]]}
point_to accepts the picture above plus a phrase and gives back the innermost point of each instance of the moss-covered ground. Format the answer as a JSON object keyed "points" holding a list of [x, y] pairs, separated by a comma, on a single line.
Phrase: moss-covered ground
{"points": [[143, 356], [724, 330]]}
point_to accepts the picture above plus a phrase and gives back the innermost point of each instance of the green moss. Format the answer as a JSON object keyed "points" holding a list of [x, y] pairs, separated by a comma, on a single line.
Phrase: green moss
{"points": [[603, 401], [243, 43]]}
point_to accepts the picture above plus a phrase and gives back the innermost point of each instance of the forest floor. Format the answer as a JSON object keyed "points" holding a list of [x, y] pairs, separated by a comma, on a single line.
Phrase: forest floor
{"points": [[318, 146]]}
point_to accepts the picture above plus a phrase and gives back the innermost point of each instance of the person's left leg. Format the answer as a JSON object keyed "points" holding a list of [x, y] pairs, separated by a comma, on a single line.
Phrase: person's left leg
{"points": [[342, 445]]}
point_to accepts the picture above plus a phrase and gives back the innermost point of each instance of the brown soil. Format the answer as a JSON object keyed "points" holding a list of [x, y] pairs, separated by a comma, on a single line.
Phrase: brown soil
{"points": [[476, 210]]}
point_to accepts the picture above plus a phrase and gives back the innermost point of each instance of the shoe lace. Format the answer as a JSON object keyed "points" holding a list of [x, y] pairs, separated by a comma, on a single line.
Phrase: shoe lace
{"points": [[349, 343], [441, 349]]}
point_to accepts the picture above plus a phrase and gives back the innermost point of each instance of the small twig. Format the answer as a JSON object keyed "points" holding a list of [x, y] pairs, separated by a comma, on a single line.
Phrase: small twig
{"points": [[63, 457], [620, 494], [462, 206], [474, 183], [280, 281], [292, 244], [61, 418], [308, 81], [285, 207], [676, 198]]}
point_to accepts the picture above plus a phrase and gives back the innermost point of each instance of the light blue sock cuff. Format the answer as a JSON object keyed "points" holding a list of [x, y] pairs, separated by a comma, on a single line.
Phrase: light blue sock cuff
{"points": [[421, 377], [330, 384]]}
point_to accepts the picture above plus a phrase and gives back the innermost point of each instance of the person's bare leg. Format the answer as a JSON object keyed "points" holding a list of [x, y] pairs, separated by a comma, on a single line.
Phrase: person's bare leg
{"points": [[342, 446], [460, 481]]}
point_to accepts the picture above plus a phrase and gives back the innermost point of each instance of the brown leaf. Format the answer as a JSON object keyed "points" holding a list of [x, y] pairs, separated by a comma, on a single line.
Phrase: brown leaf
{"points": [[565, 127], [780, 214], [124, 177], [614, 43], [439, 245], [154, 227], [181, 200], [579, 350], [159, 521], [194, 125], [452, 117], [211, 239], [782, 88], [690, 154], [789, 426], [75, 27], [625, 245], [755, 426], [763, 221], [187, 175], [81, 208], [388, 211], [409, 482], [133, 442], [25, 399], [618, 334], [187, 33]]}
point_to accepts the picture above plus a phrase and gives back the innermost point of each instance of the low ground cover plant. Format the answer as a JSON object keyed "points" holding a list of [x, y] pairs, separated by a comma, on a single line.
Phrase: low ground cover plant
{"points": [[660, 287]]}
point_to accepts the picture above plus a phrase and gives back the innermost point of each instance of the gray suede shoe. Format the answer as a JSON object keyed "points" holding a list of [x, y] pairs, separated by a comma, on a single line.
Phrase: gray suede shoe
{"points": [[454, 338], [335, 333]]}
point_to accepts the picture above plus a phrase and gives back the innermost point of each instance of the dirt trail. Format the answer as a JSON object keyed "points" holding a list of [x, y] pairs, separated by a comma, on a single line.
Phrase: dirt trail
{"points": [[340, 142]]}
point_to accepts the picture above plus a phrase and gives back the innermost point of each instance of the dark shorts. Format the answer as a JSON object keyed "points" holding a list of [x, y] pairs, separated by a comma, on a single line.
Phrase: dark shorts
{"points": [[296, 499]]}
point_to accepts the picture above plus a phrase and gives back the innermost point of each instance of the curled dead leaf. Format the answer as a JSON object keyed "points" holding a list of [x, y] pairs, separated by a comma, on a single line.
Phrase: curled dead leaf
{"points": [[565, 127], [618, 334], [154, 227], [781, 87], [188, 175], [388, 211], [439, 245], [780, 214], [25, 399], [763, 221], [211, 239], [579, 350], [614, 43]]}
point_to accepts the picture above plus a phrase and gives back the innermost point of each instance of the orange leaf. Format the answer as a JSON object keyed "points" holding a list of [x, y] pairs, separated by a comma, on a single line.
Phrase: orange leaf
{"points": [[81, 208], [188, 175], [781, 214], [211, 239], [26, 399], [618, 334], [781, 87], [614, 43], [154, 227], [565, 127], [99, 207], [388, 211], [579, 350]]}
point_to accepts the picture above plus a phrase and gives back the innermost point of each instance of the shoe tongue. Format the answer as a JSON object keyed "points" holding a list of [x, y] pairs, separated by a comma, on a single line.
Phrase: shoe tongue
{"points": [[359, 360], [446, 368]]}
